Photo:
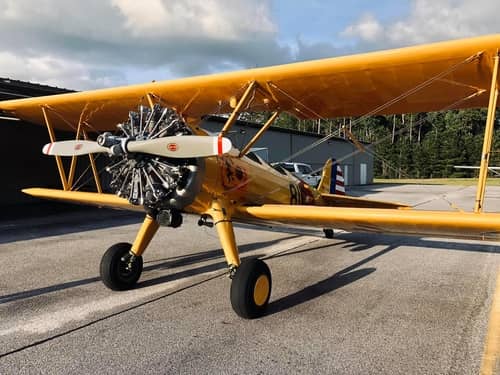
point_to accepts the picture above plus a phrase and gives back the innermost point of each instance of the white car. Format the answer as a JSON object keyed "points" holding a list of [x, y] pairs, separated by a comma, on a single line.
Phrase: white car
{"points": [[302, 171]]}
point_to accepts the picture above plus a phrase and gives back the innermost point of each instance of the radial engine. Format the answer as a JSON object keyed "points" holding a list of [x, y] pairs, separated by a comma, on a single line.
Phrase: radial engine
{"points": [[164, 186]]}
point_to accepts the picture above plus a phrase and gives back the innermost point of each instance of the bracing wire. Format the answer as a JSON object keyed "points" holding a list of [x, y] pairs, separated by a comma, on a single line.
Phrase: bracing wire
{"points": [[377, 109], [400, 131]]}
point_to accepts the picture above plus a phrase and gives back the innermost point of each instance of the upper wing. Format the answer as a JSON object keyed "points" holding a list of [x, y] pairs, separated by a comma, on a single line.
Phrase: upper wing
{"points": [[344, 86], [407, 222]]}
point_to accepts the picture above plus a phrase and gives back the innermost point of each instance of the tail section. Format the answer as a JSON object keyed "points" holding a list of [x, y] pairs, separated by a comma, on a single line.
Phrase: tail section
{"points": [[332, 179]]}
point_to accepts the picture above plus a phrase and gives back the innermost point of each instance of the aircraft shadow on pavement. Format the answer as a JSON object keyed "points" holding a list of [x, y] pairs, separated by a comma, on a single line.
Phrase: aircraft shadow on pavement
{"points": [[169, 263], [353, 241], [65, 224], [364, 241], [341, 278], [356, 242], [318, 289], [201, 257]]}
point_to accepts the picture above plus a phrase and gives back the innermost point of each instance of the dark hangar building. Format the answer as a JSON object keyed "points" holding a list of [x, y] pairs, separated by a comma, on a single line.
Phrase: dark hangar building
{"points": [[26, 166]]}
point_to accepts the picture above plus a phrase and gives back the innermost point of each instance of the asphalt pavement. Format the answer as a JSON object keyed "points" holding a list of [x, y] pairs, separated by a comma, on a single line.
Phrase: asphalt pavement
{"points": [[356, 304]]}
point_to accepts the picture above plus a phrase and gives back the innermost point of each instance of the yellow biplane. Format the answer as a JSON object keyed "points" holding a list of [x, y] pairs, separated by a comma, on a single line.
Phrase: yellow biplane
{"points": [[163, 163]]}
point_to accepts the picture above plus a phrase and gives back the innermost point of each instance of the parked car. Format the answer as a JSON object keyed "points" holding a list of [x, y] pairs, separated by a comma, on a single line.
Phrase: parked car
{"points": [[300, 170]]}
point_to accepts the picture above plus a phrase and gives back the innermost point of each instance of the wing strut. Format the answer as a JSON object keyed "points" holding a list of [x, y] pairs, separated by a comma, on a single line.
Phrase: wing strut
{"points": [[488, 136], [354, 140], [256, 137], [60, 166], [238, 108], [95, 172], [67, 180], [149, 97]]}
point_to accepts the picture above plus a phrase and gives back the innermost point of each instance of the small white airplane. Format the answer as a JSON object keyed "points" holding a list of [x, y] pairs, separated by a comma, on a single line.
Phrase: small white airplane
{"points": [[494, 170]]}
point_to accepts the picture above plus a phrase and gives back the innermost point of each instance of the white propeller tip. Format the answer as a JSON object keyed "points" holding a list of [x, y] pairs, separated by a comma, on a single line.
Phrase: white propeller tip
{"points": [[226, 145], [46, 148], [222, 145], [72, 148]]}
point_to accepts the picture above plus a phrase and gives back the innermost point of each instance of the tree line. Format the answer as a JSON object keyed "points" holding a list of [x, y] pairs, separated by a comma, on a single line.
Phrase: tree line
{"points": [[421, 145]]}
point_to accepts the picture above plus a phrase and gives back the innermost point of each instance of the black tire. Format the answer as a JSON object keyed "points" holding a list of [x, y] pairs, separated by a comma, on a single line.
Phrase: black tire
{"points": [[328, 233], [114, 273], [251, 289]]}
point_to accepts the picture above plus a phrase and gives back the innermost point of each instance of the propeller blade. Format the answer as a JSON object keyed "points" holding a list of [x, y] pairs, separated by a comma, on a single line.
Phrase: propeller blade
{"points": [[185, 146], [73, 148]]}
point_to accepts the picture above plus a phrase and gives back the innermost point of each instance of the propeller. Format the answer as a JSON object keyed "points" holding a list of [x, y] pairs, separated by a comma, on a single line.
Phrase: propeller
{"points": [[156, 161], [185, 146]]}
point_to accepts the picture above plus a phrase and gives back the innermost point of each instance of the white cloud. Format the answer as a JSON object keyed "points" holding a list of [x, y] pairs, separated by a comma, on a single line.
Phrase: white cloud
{"points": [[143, 16], [221, 19], [96, 43], [55, 71], [100, 42], [429, 21], [367, 28]]}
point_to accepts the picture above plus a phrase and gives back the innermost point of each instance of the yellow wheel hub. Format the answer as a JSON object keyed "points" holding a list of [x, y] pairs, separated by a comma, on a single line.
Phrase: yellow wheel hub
{"points": [[261, 290]]}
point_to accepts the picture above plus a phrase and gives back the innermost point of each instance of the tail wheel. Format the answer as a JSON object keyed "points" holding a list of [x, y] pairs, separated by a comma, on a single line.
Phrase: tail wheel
{"points": [[251, 289], [119, 269], [329, 233]]}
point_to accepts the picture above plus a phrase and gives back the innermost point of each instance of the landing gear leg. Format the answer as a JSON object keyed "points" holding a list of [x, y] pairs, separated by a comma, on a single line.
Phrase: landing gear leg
{"points": [[222, 220], [251, 280], [121, 264]]}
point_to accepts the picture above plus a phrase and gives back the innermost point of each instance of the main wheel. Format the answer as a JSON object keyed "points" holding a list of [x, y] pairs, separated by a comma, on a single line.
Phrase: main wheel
{"points": [[118, 271], [251, 289]]}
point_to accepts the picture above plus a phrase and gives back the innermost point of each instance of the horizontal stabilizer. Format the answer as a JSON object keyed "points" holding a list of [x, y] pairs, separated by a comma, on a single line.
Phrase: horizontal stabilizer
{"points": [[335, 200]]}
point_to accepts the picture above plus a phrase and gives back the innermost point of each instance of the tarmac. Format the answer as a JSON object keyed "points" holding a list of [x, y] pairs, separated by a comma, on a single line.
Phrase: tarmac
{"points": [[358, 303]]}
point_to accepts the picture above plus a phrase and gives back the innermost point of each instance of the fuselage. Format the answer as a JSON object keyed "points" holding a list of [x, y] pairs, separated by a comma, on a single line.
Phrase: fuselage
{"points": [[248, 181]]}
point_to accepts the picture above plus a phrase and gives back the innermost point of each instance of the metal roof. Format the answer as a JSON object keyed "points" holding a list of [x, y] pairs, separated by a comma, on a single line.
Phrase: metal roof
{"points": [[15, 89]]}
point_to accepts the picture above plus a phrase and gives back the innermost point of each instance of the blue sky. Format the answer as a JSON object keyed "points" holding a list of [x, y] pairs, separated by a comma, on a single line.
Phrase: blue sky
{"points": [[321, 21], [103, 43]]}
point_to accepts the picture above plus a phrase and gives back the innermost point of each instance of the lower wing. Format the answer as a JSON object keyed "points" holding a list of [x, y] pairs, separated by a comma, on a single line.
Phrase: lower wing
{"points": [[484, 226], [82, 197]]}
